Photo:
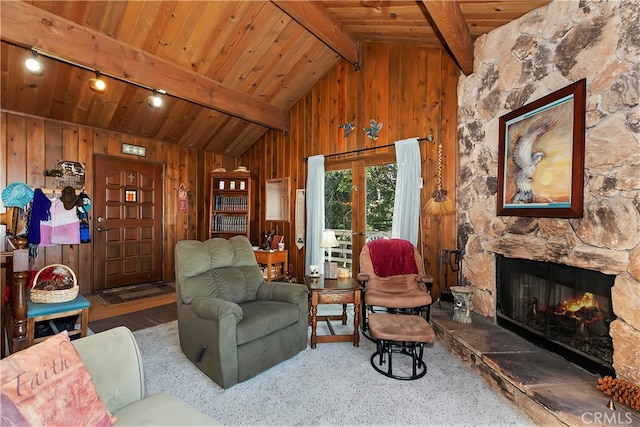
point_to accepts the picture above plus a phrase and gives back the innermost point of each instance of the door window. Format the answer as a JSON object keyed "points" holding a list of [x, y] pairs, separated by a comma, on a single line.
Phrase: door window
{"points": [[381, 186], [338, 214], [352, 226]]}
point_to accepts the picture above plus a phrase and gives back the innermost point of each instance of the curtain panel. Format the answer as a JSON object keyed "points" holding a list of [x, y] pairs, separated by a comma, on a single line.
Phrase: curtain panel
{"points": [[406, 207], [315, 212]]}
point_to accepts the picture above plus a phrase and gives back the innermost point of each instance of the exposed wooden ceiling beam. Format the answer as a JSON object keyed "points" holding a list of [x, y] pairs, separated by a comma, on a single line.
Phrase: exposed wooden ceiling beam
{"points": [[315, 19], [453, 28], [27, 25]]}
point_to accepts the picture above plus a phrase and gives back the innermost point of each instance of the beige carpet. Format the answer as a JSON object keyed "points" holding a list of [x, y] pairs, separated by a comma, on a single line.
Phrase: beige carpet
{"points": [[332, 385]]}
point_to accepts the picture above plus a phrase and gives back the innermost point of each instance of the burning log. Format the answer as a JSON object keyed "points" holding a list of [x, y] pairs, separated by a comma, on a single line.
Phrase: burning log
{"points": [[584, 309]]}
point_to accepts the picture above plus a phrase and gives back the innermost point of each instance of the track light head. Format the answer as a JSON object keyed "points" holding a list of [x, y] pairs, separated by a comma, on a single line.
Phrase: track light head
{"points": [[97, 84], [33, 64], [154, 100]]}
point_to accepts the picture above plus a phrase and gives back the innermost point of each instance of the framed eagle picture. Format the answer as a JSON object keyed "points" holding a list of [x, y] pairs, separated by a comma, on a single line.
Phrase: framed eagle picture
{"points": [[541, 156]]}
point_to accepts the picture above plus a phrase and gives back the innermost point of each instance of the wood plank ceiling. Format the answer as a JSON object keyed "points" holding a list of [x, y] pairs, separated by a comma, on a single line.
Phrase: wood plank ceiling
{"points": [[231, 69]]}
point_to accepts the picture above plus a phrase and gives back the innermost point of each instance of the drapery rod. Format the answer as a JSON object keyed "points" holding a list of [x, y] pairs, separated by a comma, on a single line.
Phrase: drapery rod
{"points": [[426, 138]]}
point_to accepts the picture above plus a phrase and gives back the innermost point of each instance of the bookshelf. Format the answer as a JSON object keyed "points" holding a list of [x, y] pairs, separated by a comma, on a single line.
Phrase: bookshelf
{"points": [[230, 204]]}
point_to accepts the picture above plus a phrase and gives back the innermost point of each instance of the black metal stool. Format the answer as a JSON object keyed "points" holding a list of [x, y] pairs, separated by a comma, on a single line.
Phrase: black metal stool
{"points": [[401, 334]]}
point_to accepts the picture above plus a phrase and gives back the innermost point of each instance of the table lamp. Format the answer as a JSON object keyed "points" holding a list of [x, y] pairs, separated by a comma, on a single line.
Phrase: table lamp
{"points": [[329, 241]]}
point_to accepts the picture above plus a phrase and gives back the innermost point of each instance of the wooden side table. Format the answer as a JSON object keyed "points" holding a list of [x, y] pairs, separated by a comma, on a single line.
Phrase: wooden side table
{"points": [[334, 291], [274, 263]]}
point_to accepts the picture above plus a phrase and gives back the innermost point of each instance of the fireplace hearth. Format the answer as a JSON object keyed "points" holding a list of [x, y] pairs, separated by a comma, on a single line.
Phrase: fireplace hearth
{"points": [[564, 309]]}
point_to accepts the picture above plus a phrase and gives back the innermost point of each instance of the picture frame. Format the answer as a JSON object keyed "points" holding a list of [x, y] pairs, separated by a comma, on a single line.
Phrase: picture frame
{"points": [[541, 156], [331, 269]]}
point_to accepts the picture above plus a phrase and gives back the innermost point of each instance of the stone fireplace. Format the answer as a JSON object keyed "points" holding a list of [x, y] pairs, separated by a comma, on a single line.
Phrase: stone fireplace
{"points": [[543, 51]]}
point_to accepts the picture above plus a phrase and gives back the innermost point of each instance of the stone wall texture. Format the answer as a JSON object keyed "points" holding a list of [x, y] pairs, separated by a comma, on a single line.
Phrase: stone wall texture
{"points": [[546, 50]]}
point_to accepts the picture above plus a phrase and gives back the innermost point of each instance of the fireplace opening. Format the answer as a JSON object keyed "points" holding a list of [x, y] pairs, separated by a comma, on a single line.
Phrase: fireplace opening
{"points": [[564, 309]]}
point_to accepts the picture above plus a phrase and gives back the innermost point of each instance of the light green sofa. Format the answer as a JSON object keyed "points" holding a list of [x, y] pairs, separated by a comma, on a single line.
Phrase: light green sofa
{"points": [[113, 359], [232, 324]]}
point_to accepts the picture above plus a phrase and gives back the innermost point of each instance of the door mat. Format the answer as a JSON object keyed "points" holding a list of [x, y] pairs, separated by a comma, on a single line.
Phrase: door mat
{"points": [[135, 292]]}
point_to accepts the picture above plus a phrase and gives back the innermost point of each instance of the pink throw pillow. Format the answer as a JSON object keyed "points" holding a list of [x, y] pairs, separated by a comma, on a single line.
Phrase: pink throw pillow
{"points": [[48, 385]]}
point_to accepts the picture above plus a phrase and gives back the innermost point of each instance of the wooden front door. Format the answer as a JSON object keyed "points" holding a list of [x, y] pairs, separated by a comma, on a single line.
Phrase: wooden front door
{"points": [[127, 217]]}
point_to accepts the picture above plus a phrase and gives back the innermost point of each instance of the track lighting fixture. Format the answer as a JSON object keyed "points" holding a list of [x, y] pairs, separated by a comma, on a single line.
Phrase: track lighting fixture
{"points": [[33, 64], [154, 100], [97, 84]]}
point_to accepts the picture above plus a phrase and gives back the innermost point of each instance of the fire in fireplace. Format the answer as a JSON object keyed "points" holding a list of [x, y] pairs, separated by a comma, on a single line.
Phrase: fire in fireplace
{"points": [[562, 308]]}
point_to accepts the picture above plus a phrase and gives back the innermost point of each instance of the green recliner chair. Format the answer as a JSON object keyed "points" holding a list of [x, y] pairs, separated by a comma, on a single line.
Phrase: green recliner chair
{"points": [[232, 324]]}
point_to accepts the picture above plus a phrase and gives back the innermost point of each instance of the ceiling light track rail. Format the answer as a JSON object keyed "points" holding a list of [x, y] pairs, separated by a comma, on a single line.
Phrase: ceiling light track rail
{"points": [[58, 58], [36, 52]]}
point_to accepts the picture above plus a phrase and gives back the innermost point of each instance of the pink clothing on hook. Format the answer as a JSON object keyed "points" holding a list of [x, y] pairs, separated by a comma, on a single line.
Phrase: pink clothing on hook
{"points": [[62, 229]]}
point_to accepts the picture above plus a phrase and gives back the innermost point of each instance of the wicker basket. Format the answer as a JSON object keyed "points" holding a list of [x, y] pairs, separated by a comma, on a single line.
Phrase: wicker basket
{"points": [[61, 287]]}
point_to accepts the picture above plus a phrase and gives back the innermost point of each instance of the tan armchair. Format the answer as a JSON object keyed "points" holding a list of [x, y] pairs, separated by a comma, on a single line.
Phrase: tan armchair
{"points": [[392, 272]]}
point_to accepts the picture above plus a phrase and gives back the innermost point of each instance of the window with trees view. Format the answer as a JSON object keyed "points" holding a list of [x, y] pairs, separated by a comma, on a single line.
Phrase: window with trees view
{"points": [[380, 193]]}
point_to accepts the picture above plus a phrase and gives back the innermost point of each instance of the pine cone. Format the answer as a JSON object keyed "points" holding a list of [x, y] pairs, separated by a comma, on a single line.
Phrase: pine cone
{"points": [[622, 391]]}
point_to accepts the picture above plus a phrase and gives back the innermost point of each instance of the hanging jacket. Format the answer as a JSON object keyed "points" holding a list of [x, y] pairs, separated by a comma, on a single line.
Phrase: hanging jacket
{"points": [[40, 211], [63, 228]]}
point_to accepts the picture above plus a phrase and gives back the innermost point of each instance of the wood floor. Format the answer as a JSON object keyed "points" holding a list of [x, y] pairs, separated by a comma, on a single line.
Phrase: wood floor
{"points": [[135, 315]]}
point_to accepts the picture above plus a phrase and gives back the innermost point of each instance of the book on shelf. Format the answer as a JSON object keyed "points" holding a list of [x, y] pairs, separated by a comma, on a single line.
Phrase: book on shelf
{"points": [[230, 203], [229, 223]]}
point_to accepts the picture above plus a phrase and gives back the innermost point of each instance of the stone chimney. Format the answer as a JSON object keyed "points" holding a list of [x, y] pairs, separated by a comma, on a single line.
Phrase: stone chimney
{"points": [[546, 50]]}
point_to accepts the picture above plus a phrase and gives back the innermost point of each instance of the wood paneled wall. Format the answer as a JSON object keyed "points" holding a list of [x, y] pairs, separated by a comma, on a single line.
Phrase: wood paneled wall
{"points": [[412, 90], [29, 145]]}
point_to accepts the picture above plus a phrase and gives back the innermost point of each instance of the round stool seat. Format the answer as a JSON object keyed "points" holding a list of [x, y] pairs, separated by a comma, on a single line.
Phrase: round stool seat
{"points": [[401, 327], [402, 334]]}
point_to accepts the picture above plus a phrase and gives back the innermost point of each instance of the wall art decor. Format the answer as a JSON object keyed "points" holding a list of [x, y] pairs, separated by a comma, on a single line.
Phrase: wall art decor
{"points": [[70, 173], [373, 130], [541, 156], [348, 128], [136, 150]]}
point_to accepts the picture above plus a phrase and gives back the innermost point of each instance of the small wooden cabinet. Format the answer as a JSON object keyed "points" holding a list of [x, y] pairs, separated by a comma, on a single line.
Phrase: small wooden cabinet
{"points": [[230, 209], [273, 264]]}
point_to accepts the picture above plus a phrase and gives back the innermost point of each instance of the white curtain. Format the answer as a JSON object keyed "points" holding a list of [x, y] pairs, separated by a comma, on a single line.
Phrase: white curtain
{"points": [[315, 212], [406, 208]]}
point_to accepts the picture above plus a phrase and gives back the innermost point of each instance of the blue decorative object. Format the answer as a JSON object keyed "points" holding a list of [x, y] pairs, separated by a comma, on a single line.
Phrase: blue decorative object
{"points": [[348, 127], [17, 194], [373, 130]]}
